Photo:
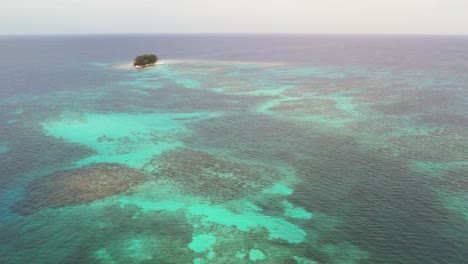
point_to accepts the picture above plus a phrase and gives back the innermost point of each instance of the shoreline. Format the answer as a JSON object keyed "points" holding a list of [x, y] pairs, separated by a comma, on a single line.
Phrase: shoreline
{"points": [[127, 66], [144, 66]]}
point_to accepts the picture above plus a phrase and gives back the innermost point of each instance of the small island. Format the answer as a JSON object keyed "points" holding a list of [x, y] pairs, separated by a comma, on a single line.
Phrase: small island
{"points": [[145, 60]]}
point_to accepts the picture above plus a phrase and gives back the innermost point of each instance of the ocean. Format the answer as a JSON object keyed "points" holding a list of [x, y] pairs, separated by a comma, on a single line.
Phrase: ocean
{"points": [[234, 149]]}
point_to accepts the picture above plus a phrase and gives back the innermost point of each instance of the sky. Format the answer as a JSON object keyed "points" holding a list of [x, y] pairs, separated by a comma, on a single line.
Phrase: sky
{"points": [[448, 17]]}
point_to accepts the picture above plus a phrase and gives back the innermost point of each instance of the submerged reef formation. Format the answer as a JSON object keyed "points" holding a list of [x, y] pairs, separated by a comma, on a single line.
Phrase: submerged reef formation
{"points": [[219, 179], [430, 147], [77, 186], [145, 60], [309, 106]]}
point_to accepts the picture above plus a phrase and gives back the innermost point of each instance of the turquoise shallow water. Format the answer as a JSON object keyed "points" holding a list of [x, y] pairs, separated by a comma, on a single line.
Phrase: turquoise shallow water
{"points": [[221, 161]]}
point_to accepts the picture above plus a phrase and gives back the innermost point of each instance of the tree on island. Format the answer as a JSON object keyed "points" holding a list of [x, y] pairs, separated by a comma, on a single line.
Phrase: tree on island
{"points": [[145, 60]]}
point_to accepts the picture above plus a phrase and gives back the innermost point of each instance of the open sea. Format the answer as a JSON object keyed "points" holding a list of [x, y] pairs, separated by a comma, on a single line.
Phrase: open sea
{"points": [[234, 149]]}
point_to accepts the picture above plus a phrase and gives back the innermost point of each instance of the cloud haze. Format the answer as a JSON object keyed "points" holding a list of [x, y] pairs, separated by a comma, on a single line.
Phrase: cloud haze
{"points": [[240, 16]]}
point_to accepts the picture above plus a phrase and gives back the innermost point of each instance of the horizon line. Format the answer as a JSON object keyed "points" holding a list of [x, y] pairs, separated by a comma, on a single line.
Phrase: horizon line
{"points": [[235, 33]]}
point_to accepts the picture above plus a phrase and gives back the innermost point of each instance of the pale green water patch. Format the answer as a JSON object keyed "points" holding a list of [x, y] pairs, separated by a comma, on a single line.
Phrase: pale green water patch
{"points": [[98, 64], [271, 91], [256, 254], [279, 189], [295, 212], [147, 205], [142, 83], [199, 261], [104, 257], [265, 108], [18, 111], [156, 196], [3, 148], [278, 228], [188, 83], [301, 260], [130, 139], [210, 221], [202, 242], [457, 202], [135, 246], [139, 92], [243, 214], [241, 254], [345, 104], [132, 250]]}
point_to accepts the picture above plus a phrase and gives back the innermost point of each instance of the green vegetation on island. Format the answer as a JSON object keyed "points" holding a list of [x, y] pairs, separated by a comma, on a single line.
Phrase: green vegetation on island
{"points": [[145, 60]]}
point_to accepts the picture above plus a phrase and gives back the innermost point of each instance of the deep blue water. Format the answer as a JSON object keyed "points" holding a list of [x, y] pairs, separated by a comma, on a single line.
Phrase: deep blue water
{"points": [[305, 148], [54, 61]]}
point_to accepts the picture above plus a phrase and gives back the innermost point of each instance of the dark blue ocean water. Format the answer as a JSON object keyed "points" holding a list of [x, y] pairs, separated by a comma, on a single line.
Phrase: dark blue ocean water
{"points": [[236, 149], [50, 58]]}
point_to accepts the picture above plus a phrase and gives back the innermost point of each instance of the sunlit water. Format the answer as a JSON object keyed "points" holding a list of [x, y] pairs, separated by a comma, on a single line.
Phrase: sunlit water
{"points": [[234, 149]]}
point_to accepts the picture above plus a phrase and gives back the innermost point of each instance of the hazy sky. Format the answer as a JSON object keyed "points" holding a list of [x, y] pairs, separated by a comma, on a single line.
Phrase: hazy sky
{"points": [[219, 16]]}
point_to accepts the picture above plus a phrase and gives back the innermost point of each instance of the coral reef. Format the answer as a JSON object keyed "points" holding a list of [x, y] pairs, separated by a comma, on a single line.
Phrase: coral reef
{"points": [[77, 186], [430, 147], [309, 106], [202, 174]]}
